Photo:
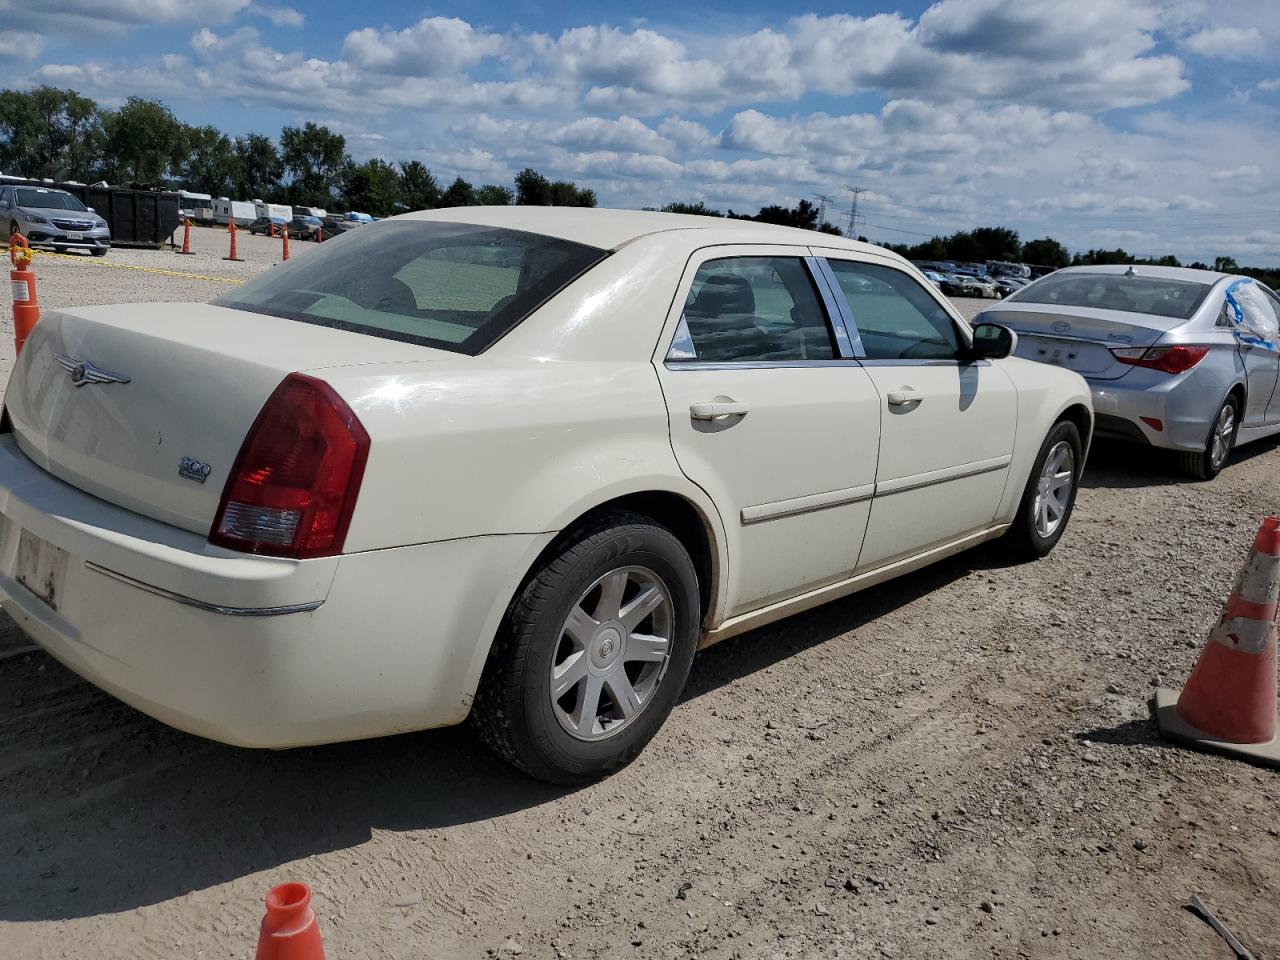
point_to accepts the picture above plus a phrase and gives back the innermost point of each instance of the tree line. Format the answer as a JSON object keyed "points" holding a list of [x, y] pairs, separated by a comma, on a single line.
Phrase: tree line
{"points": [[61, 135]]}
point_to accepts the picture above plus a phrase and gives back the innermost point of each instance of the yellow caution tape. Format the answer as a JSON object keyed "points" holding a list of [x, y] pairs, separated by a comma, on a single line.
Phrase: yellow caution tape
{"points": [[97, 262]]}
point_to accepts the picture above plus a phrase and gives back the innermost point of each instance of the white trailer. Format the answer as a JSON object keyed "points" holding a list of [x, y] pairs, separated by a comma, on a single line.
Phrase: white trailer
{"points": [[225, 210], [281, 210], [317, 212]]}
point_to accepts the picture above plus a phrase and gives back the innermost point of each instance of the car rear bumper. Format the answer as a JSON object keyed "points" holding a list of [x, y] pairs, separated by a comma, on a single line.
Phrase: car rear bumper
{"points": [[1183, 406], [251, 651]]}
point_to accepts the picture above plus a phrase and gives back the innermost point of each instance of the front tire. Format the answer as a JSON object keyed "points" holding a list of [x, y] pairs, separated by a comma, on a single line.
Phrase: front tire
{"points": [[1050, 494], [1208, 463], [593, 652]]}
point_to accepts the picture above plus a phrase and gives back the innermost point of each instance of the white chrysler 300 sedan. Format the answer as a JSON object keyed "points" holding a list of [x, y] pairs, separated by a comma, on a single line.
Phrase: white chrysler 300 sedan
{"points": [[512, 463]]}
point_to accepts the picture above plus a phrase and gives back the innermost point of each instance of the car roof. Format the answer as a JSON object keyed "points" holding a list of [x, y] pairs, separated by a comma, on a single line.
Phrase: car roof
{"points": [[610, 229], [1168, 273]]}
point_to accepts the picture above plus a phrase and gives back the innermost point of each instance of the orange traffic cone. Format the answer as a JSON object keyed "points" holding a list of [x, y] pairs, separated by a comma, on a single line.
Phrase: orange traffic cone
{"points": [[186, 237], [233, 255], [289, 929], [1229, 703], [26, 308]]}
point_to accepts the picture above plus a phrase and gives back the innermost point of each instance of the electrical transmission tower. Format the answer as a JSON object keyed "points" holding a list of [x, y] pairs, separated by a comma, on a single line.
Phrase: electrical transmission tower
{"points": [[823, 200], [853, 210]]}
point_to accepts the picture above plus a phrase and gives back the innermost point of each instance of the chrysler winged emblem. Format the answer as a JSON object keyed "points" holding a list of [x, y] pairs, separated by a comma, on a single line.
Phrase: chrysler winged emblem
{"points": [[82, 371]]}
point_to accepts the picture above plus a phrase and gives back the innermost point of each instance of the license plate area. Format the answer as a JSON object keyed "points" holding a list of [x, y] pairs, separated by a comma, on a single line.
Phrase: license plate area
{"points": [[42, 568]]}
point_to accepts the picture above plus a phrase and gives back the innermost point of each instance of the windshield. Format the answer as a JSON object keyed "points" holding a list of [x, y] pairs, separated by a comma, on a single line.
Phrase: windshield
{"points": [[454, 286], [1155, 296], [48, 200]]}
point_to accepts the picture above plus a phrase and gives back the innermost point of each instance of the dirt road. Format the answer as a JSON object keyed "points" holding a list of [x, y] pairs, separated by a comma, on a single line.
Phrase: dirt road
{"points": [[956, 764]]}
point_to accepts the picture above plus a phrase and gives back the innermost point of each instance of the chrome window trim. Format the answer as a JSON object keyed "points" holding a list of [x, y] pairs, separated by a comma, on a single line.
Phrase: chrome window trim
{"points": [[778, 509], [755, 364], [682, 341], [848, 340], [923, 362], [204, 605]]}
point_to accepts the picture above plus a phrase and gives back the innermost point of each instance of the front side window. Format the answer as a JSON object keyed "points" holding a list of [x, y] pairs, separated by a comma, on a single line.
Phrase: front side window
{"points": [[896, 318], [753, 309], [454, 286]]}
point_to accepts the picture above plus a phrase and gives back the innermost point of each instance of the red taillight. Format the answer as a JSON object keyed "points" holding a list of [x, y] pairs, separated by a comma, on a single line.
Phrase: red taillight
{"points": [[296, 478], [1165, 359]]}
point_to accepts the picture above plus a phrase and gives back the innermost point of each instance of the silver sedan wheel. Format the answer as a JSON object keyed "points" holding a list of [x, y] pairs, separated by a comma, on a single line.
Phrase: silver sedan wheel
{"points": [[612, 653], [1053, 489], [1220, 442]]}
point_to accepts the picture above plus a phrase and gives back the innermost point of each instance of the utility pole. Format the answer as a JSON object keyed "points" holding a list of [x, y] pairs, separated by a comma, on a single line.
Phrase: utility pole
{"points": [[853, 211], [823, 200]]}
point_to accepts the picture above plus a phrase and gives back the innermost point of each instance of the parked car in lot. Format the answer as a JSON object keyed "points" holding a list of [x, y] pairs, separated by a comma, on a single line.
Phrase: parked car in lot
{"points": [[517, 463], [305, 227], [1006, 286], [1176, 358], [268, 225], [54, 218], [959, 285]]}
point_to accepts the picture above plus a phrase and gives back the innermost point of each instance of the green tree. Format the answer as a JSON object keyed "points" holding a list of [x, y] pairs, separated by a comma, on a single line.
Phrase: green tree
{"points": [[419, 190], [996, 243], [566, 194], [144, 142], [698, 209], [314, 159], [1046, 252], [1096, 257], [211, 165], [47, 132], [493, 195], [1225, 265], [803, 215], [371, 187], [258, 167], [459, 194], [532, 189]]}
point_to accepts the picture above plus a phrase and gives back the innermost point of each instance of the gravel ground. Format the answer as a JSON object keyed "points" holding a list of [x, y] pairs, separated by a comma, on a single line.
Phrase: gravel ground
{"points": [[959, 763]]}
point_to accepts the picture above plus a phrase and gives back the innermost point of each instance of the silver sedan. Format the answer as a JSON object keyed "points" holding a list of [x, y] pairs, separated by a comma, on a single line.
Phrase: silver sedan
{"points": [[1183, 359]]}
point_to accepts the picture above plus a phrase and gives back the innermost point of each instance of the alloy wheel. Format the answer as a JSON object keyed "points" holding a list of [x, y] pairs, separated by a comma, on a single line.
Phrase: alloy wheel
{"points": [[1053, 489], [1220, 442], [612, 653]]}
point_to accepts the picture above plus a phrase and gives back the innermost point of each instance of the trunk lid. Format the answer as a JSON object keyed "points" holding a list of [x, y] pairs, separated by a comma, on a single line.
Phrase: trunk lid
{"points": [[1080, 338], [163, 443]]}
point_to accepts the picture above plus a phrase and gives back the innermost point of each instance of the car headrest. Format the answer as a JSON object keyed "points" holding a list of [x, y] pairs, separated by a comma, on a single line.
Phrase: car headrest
{"points": [[723, 293]]}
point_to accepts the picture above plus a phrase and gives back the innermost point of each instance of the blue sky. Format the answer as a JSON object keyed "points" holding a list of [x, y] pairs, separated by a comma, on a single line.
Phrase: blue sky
{"points": [[1148, 124]]}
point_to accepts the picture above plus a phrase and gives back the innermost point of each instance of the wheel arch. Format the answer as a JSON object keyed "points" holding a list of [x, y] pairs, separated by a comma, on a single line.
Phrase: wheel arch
{"points": [[1082, 417]]}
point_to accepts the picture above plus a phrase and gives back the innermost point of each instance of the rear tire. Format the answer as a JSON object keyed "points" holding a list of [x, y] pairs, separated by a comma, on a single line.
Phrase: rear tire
{"points": [[100, 251], [1208, 463], [572, 628], [1049, 496]]}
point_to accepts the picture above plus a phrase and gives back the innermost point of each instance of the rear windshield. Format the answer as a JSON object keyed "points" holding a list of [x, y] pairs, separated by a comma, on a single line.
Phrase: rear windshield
{"points": [[454, 286], [47, 200], [1155, 296]]}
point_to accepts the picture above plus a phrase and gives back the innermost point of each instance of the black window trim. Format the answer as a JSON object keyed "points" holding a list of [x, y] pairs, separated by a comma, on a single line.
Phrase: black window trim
{"points": [[827, 300]]}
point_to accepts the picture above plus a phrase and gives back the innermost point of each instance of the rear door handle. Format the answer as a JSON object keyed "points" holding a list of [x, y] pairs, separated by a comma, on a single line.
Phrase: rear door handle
{"points": [[900, 398], [717, 410]]}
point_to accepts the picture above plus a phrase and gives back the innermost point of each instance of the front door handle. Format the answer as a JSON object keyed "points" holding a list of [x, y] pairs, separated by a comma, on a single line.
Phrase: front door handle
{"points": [[900, 398], [717, 410]]}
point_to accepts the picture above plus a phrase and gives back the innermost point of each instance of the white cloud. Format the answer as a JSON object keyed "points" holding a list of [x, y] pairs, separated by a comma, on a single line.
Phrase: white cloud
{"points": [[1228, 43], [140, 12], [687, 133], [1246, 171], [19, 45], [1269, 85], [280, 16], [433, 47]]}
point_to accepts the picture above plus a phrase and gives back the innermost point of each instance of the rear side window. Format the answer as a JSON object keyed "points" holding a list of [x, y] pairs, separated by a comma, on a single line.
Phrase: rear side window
{"points": [[453, 286], [753, 309], [897, 319], [1154, 296]]}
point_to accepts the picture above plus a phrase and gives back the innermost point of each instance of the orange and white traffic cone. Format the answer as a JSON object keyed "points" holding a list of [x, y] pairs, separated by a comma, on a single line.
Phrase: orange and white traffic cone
{"points": [[22, 281], [233, 255], [186, 237], [284, 241], [1229, 703], [289, 929]]}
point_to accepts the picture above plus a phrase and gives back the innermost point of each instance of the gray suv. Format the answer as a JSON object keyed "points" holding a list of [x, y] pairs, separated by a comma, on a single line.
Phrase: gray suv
{"points": [[48, 217]]}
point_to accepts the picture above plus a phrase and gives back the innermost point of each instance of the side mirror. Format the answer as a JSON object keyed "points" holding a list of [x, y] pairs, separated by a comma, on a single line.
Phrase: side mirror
{"points": [[91, 210], [991, 341]]}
